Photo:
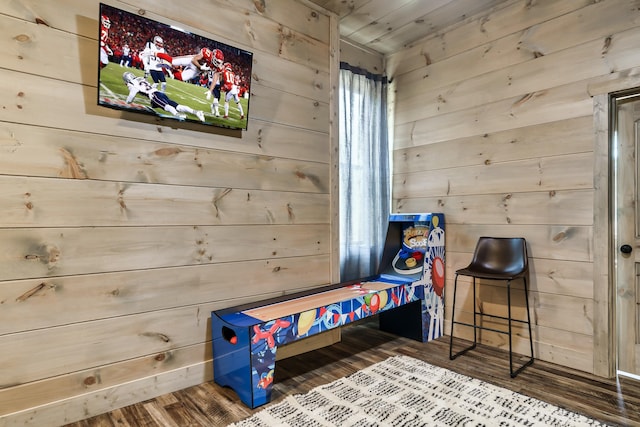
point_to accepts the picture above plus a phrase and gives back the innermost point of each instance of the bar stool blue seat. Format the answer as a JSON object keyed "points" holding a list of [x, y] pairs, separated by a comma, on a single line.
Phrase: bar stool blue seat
{"points": [[496, 258]]}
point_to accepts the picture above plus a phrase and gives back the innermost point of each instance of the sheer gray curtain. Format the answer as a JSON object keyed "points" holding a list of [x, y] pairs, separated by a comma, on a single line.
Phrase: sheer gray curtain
{"points": [[365, 185]]}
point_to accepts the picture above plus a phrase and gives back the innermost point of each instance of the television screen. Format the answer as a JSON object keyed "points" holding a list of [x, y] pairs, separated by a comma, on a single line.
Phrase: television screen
{"points": [[153, 68]]}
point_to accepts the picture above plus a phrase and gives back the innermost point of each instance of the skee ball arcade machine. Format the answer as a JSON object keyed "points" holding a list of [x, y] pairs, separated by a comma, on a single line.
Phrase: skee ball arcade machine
{"points": [[407, 294]]}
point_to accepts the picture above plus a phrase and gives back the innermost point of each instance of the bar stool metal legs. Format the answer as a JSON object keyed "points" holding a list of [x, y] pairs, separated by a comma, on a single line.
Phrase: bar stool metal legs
{"points": [[495, 259], [475, 326], [528, 322]]}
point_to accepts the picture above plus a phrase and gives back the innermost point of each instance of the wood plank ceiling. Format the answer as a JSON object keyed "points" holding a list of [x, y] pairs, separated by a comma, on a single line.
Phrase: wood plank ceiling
{"points": [[387, 26]]}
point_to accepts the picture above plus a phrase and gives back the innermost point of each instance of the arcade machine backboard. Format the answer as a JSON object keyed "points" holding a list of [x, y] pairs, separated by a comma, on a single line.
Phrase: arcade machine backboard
{"points": [[414, 251]]}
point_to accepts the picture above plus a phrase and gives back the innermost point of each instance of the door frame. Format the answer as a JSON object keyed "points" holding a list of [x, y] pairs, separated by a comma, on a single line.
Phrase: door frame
{"points": [[604, 277], [624, 229]]}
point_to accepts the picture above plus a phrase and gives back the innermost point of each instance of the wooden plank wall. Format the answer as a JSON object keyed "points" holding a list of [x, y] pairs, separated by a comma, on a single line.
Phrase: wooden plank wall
{"points": [[360, 56], [118, 237], [494, 127]]}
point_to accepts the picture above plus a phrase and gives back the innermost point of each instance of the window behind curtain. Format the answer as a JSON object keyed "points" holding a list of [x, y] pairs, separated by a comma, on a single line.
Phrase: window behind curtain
{"points": [[365, 185]]}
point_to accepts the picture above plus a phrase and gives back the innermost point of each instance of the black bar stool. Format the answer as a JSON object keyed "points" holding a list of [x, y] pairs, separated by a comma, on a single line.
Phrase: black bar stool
{"points": [[495, 258]]}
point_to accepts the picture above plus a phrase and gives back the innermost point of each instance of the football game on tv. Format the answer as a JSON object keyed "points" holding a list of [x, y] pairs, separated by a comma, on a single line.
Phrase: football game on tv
{"points": [[150, 67]]}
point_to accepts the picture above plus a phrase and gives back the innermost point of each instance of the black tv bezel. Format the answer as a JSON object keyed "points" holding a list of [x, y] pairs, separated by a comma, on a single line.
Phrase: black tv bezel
{"points": [[160, 26]]}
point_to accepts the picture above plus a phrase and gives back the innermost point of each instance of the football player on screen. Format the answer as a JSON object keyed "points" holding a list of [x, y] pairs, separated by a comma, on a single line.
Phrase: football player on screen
{"points": [[230, 83], [216, 81], [193, 65], [153, 65], [125, 59], [158, 99], [105, 50]]}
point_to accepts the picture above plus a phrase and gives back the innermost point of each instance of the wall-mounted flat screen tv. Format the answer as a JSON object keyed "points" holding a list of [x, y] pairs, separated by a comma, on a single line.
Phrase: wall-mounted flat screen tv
{"points": [[154, 68]]}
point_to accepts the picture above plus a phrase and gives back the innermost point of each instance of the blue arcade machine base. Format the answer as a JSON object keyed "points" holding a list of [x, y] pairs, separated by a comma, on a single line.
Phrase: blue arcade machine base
{"points": [[407, 293]]}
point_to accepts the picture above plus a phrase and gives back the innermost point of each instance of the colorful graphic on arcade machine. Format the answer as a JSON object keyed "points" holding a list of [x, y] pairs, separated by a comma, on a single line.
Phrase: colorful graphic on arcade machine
{"points": [[414, 244]]}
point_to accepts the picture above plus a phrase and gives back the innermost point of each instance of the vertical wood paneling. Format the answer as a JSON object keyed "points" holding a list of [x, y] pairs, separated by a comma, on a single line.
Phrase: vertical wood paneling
{"points": [[603, 356], [121, 233], [334, 138]]}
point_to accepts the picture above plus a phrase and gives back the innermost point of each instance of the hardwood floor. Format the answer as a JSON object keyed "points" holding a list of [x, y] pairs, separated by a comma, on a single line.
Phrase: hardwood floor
{"points": [[611, 401]]}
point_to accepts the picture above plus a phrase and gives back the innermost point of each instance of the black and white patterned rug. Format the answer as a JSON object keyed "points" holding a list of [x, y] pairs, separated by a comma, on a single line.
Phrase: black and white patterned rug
{"points": [[403, 391]]}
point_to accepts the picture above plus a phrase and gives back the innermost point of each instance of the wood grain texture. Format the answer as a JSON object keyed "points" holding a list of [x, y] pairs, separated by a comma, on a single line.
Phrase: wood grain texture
{"points": [[36, 202], [532, 142], [40, 151], [561, 206], [604, 322], [545, 174], [43, 303], [320, 299], [526, 109], [50, 252], [357, 56], [403, 25], [495, 125], [115, 224], [514, 17], [529, 49], [615, 402]]}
